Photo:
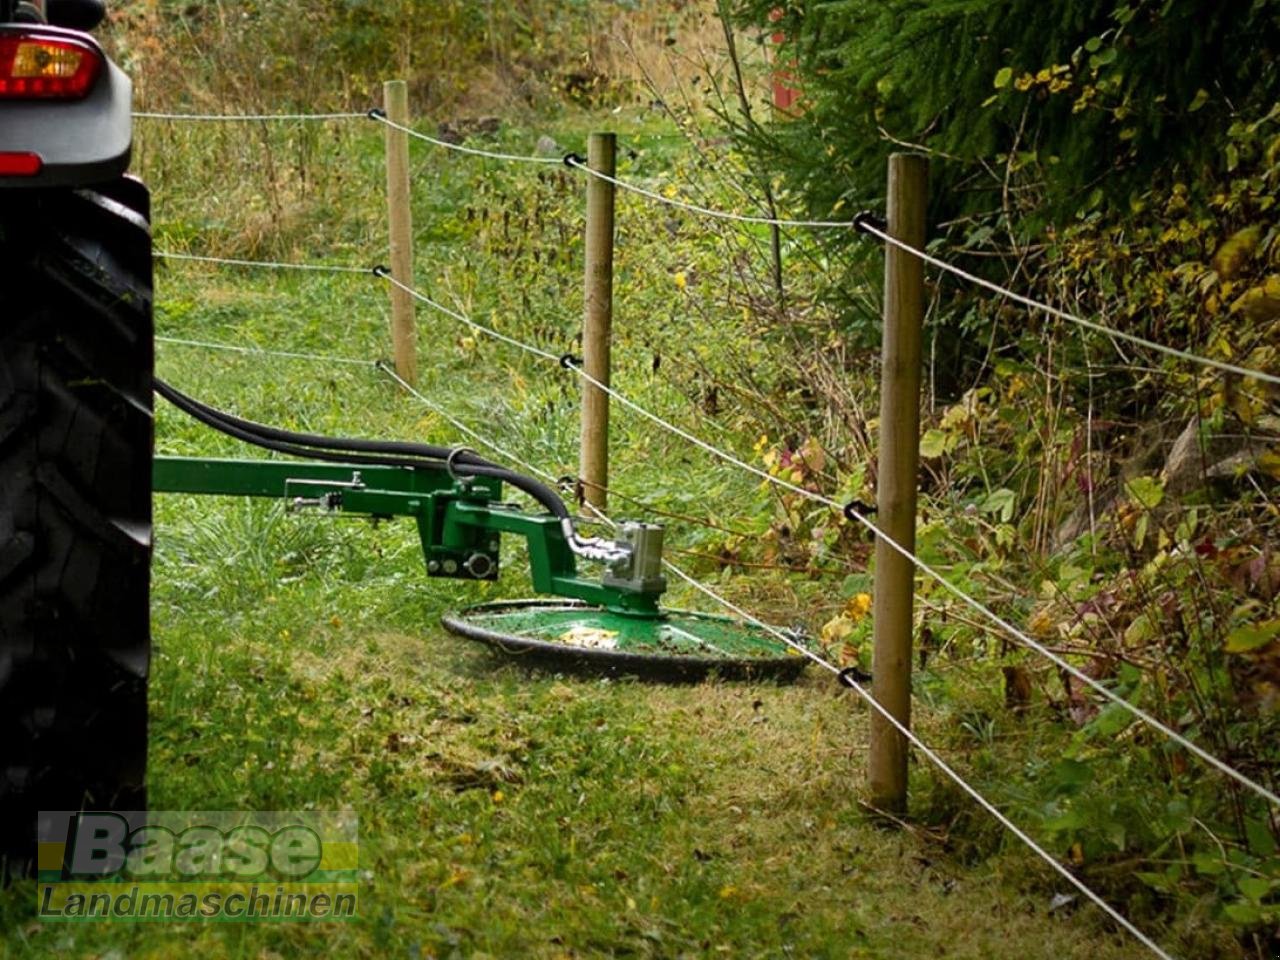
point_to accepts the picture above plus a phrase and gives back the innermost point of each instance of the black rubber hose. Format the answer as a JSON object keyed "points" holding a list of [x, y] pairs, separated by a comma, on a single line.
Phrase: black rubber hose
{"points": [[281, 441], [426, 451], [391, 453]]}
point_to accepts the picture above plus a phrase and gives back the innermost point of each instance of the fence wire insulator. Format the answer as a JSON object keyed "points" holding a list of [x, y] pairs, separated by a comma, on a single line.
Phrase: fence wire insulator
{"points": [[866, 218], [855, 510], [852, 676]]}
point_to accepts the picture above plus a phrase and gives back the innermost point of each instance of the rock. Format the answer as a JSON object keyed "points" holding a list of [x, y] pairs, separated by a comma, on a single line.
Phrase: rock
{"points": [[1236, 465], [1192, 461], [547, 147], [1185, 463]]}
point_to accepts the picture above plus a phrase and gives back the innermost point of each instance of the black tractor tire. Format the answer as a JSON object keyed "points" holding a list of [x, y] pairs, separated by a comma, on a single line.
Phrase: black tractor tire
{"points": [[76, 358]]}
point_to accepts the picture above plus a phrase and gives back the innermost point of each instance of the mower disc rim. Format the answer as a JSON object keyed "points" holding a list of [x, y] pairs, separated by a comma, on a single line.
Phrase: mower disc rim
{"points": [[620, 661]]}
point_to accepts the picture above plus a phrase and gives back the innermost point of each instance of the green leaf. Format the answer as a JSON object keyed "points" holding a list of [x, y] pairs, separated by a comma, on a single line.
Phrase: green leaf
{"points": [[1157, 881], [1199, 100], [1255, 888], [1004, 77], [1113, 719], [1146, 491], [1000, 502], [856, 583], [1067, 822], [934, 443], [1116, 834], [1178, 815], [1070, 775], [1258, 833], [1244, 914], [1187, 526], [1102, 58], [1251, 637], [1207, 865]]}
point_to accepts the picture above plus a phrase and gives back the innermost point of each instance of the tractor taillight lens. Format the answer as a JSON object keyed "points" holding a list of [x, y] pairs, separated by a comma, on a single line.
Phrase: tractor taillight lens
{"points": [[36, 67], [20, 164]]}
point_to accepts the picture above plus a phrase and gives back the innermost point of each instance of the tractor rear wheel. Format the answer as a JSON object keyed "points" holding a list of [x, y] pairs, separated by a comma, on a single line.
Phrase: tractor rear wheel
{"points": [[76, 359]]}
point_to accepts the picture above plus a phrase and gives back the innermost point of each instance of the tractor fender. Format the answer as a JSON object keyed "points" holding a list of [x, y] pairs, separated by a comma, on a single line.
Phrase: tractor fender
{"points": [[81, 142]]}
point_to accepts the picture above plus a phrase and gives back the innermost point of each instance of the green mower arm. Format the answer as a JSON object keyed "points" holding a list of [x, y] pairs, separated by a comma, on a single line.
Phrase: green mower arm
{"points": [[459, 520]]}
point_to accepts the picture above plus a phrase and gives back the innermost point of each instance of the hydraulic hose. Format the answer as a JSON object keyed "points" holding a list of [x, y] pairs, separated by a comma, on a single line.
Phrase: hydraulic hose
{"points": [[393, 453]]}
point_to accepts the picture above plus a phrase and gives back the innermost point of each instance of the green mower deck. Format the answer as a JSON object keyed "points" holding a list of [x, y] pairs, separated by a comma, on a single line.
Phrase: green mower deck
{"points": [[676, 645], [611, 623]]}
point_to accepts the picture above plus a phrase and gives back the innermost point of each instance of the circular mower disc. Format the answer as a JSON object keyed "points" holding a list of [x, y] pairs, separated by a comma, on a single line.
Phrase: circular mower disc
{"points": [[678, 645]]}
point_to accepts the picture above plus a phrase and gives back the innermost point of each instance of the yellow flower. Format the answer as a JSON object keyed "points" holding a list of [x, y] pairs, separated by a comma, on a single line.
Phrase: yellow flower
{"points": [[1042, 624], [859, 606]]}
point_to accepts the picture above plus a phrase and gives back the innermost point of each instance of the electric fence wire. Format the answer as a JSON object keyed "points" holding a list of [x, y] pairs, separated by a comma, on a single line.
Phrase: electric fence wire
{"points": [[241, 117], [265, 351], [574, 161], [381, 117], [263, 264], [956, 591], [577, 163], [861, 691], [463, 318], [781, 635], [933, 758], [871, 229], [1062, 314], [568, 362], [459, 425]]}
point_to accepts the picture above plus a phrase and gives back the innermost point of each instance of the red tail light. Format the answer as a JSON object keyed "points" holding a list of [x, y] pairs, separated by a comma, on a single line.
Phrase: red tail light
{"points": [[36, 66], [20, 164]]}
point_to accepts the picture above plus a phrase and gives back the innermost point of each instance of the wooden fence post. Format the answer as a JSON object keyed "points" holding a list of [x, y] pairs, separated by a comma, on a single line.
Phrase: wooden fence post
{"points": [[404, 340], [899, 460], [597, 330]]}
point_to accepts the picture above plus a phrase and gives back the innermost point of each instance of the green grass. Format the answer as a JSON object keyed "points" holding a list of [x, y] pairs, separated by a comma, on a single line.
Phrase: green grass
{"points": [[507, 813], [299, 662]]}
